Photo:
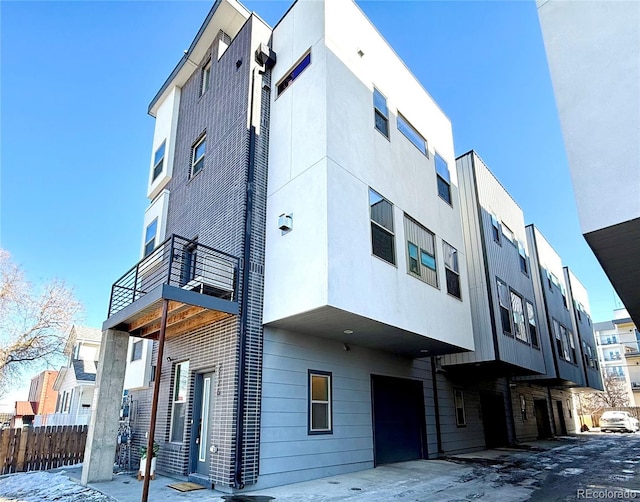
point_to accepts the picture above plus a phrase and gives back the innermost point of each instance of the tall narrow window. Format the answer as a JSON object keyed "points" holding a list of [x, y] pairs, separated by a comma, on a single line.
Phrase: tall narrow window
{"points": [[150, 237], [136, 351], [197, 155], [533, 330], [495, 228], [458, 397], [517, 312], [206, 77], [382, 236], [451, 270], [443, 179], [558, 336], [380, 112], [565, 343], [412, 135], [320, 402], [572, 345], [179, 402], [524, 268], [523, 408], [421, 253], [295, 72], [505, 307], [158, 160], [564, 296]]}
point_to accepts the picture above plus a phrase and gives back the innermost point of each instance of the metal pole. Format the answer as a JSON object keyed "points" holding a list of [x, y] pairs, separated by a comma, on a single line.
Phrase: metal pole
{"points": [[154, 401]]}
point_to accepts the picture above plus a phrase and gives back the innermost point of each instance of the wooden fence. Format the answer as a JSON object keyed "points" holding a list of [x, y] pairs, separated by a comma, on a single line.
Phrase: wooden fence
{"points": [[40, 448]]}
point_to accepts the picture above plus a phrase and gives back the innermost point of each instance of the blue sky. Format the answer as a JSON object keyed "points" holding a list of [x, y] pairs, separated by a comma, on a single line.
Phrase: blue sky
{"points": [[77, 78]]}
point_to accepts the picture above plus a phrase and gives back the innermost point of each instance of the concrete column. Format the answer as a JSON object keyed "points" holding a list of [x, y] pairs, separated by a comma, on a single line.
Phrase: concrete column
{"points": [[100, 451]]}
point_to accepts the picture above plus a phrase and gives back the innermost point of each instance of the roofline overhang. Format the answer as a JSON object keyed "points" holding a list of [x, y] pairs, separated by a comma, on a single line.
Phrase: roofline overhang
{"points": [[211, 25]]}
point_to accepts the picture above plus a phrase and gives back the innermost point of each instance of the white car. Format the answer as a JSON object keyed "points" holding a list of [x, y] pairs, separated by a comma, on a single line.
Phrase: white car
{"points": [[618, 421]]}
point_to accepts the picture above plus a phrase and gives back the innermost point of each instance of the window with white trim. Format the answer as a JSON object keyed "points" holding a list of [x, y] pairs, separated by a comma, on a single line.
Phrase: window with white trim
{"points": [[452, 272], [380, 113], [505, 306], [443, 178], [508, 233], [136, 351], [205, 77], [320, 412], [150, 237], [517, 312], [412, 135], [179, 401], [421, 252], [158, 160], [461, 418], [382, 233], [197, 155]]}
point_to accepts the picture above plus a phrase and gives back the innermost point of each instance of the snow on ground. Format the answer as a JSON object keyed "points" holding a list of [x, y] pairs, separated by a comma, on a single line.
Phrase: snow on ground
{"points": [[42, 486]]}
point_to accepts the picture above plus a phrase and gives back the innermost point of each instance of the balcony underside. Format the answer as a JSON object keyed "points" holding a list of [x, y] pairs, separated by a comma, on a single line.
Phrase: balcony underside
{"points": [[188, 310], [487, 370], [330, 322]]}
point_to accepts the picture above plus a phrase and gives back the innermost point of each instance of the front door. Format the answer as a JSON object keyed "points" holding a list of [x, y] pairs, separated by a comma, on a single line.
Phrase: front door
{"points": [[542, 418], [494, 419], [204, 402]]}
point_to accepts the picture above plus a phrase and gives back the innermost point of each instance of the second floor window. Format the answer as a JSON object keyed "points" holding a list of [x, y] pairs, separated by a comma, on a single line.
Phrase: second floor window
{"points": [[443, 179], [158, 161], [150, 237], [452, 271], [382, 235], [421, 252], [505, 307]]}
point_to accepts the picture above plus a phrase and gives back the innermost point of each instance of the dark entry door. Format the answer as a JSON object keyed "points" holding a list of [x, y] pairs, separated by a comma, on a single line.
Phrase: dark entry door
{"points": [[398, 419], [204, 403], [563, 425], [494, 419], [542, 418]]}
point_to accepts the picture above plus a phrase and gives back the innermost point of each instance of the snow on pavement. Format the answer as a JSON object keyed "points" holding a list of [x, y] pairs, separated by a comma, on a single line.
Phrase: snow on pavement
{"points": [[42, 486]]}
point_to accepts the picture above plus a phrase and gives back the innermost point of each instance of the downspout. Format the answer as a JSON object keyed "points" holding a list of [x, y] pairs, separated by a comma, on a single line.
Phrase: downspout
{"points": [[246, 265], [436, 405]]}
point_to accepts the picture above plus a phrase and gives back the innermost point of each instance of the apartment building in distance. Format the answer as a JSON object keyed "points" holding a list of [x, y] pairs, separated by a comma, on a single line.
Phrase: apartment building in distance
{"points": [[618, 343], [320, 287]]}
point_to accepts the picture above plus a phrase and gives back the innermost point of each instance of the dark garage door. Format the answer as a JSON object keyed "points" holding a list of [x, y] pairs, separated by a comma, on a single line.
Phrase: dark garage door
{"points": [[398, 419]]}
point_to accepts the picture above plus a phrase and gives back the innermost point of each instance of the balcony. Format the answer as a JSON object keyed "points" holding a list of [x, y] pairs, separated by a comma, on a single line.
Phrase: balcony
{"points": [[635, 385], [200, 282]]}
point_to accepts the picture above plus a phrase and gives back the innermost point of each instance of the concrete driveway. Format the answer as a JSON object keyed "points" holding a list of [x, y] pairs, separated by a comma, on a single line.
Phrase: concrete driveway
{"points": [[591, 465]]}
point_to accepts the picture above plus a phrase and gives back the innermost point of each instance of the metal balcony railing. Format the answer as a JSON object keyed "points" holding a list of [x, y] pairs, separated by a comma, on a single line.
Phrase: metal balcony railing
{"points": [[182, 263]]}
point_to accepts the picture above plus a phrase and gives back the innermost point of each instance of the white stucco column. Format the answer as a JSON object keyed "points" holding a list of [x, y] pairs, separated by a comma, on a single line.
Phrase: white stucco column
{"points": [[100, 451]]}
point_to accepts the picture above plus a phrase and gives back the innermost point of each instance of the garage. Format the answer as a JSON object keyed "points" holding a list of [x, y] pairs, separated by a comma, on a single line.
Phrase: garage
{"points": [[398, 419]]}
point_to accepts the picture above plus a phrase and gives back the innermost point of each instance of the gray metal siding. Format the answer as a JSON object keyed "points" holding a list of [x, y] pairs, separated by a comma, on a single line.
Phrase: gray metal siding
{"points": [[480, 311], [287, 452]]}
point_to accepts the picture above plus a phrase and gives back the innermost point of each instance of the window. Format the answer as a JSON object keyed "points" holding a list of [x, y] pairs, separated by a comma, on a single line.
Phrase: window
{"points": [[412, 135], [451, 269], [382, 236], [523, 259], [523, 408], [517, 312], [421, 252], [458, 397], [572, 345], [150, 237], [533, 330], [565, 343], [320, 402], [158, 161], [505, 307], [443, 179], [556, 332], [206, 77], [508, 233], [495, 228], [197, 155], [298, 68], [570, 408], [136, 351], [564, 296], [179, 403], [380, 112]]}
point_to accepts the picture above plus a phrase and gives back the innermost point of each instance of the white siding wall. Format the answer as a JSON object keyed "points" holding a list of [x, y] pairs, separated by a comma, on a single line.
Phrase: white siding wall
{"points": [[138, 373]]}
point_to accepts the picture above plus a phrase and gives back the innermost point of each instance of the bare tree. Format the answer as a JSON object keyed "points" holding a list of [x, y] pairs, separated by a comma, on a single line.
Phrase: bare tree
{"points": [[615, 395], [34, 322]]}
